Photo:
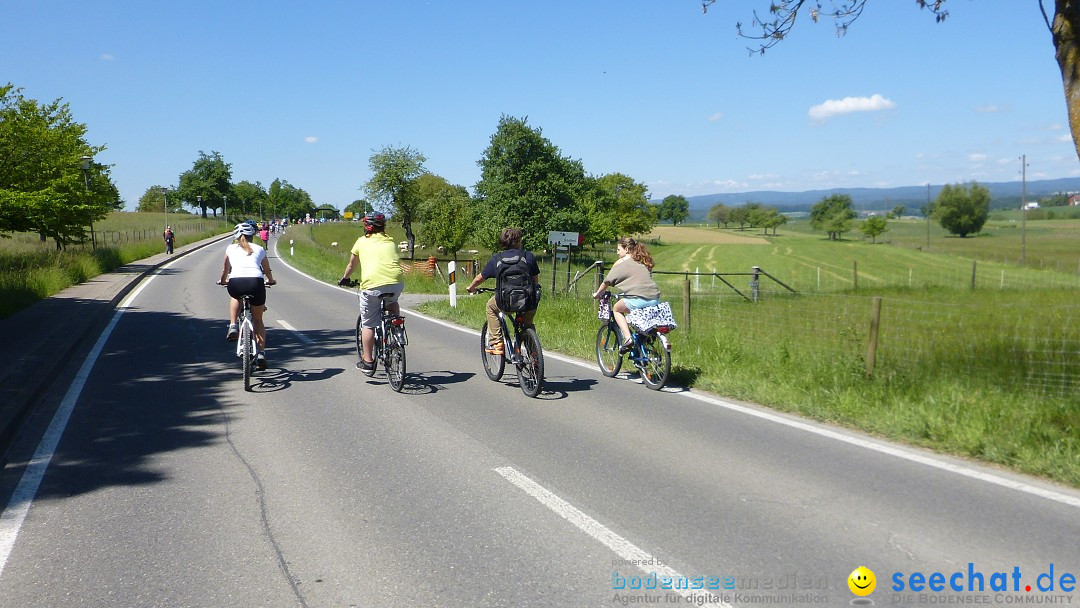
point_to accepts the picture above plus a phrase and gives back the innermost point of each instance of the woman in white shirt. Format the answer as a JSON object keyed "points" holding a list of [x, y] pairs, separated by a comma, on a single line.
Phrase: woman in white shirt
{"points": [[247, 272]]}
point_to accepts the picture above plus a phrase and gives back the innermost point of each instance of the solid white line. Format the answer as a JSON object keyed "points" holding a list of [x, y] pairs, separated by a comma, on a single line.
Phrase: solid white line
{"points": [[11, 520], [296, 332], [891, 450], [620, 546]]}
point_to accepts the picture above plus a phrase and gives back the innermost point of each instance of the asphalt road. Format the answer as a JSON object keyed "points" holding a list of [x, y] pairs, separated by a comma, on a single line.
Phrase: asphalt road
{"points": [[170, 486]]}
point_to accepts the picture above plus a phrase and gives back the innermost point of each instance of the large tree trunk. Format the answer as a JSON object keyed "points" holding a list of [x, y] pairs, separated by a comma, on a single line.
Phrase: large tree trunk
{"points": [[1065, 27]]}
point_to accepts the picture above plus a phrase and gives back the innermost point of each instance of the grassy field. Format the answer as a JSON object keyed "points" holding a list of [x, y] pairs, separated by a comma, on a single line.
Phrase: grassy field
{"points": [[31, 269]]}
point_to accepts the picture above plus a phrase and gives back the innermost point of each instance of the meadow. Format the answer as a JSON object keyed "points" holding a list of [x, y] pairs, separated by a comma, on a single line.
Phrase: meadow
{"points": [[31, 269]]}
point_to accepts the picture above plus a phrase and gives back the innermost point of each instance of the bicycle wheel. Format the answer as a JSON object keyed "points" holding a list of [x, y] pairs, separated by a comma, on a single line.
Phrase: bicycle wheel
{"points": [[493, 364], [656, 364], [395, 364], [359, 343], [531, 368], [607, 351], [247, 356]]}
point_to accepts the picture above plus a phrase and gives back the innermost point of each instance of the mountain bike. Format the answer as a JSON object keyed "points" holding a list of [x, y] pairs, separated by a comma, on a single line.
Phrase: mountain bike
{"points": [[523, 352], [389, 346], [246, 347], [650, 351]]}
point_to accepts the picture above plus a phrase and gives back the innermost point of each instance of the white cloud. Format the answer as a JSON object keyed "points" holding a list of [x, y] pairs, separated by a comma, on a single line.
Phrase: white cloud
{"points": [[716, 117], [847, 105], [107, 57], [976, 158], [1065, 138], [759, 176], [310, 139], [991, 109]]}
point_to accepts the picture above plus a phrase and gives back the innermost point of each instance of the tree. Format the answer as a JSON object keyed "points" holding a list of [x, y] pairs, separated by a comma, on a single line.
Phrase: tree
{"points": [[873, 227], [448, 219], [526, 182], [740, 215], [1064, 32], [395, 170], [773, 219], [719, 213], [153, 200], [897, 212], [616, 205], [248, 195], [359, 207], [674, 207], [961, 210], [42, 185], [833, 215], [286, 200], [210, 177]]}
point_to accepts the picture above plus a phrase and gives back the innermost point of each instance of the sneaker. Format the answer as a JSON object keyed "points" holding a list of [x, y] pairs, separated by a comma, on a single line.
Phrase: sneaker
{"points": [[234, 332], [495, 348], [626, 347], [366, 367], [260, 362]]}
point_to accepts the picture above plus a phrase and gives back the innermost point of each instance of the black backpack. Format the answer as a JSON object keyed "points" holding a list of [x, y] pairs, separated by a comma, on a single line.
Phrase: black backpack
{"points": [[515, 290]]}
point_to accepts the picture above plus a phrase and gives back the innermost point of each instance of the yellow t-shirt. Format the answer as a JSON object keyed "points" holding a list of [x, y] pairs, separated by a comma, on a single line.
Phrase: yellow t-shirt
{"points": [[378, 260]]}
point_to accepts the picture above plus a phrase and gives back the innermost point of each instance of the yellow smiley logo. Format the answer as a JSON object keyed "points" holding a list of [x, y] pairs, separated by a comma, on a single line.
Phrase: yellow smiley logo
{"points": [[862, 581]]}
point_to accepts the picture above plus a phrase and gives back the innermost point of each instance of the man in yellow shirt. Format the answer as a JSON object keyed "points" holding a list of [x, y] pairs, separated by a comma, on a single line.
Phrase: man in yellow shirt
{"points": [[380, 273]]}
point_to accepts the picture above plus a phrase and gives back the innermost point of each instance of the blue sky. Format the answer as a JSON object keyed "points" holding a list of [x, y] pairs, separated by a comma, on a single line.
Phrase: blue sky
{"points": [[652, 89]]}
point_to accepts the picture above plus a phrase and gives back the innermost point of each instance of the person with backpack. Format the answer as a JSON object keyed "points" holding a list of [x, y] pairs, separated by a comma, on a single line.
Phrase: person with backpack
{"points": [[632, 273], [517, 285]]}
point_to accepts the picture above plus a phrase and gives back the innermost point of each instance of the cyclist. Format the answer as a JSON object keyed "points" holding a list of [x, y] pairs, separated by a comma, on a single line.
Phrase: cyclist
{"points": [[247, 272], [510, 242], [632, 273], [380, 273]]}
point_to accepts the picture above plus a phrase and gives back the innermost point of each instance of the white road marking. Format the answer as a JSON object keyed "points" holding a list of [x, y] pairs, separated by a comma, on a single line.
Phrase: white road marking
{"points": [[296, 332], [620, 546], [11, 520]]}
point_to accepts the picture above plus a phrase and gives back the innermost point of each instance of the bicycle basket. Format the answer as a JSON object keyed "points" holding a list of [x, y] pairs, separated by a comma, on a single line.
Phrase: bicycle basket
{"points": [[604, 313]]}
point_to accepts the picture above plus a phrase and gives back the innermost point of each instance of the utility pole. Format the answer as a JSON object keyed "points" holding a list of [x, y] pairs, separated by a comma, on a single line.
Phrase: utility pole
{"points": [[928, 216], [1023, 207]]}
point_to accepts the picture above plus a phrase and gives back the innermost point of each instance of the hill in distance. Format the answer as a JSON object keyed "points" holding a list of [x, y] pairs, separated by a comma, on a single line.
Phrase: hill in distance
{"points": [[1002, 194]]}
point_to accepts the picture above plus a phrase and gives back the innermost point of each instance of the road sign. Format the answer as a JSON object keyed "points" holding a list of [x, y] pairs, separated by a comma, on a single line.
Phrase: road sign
{"points": [[564, 238]]}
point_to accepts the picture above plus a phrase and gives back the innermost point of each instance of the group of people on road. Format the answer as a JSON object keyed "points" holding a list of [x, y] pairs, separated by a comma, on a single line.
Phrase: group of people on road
{"points": [[246, 271]]}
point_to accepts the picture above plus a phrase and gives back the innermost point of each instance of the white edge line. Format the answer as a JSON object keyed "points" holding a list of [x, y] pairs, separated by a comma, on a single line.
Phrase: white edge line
{"points": [[620, 546], [18, 507], [891, 450]]}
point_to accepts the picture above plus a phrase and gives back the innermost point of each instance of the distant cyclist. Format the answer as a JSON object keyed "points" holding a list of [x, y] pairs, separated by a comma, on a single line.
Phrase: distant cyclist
{"points": [[247, 272], [517, 285], [380, 273]]}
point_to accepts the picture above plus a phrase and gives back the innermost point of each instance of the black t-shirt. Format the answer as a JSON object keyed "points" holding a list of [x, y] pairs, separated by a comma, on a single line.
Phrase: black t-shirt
{"points": [[491, 269]]}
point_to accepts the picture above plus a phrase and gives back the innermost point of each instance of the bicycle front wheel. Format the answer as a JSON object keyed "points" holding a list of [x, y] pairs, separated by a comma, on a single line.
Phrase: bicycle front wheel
{"points": [[656, 364], [607, 351], [531, 368], [395, 364], [493, 364]]}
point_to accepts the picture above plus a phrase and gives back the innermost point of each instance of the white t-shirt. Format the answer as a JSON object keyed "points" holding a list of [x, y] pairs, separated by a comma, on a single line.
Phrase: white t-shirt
{"points": [[244, 265]]}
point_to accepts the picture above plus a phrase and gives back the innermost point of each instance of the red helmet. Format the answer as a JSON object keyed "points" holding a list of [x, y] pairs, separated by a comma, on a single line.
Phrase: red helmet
{"points": [[374, 222]]}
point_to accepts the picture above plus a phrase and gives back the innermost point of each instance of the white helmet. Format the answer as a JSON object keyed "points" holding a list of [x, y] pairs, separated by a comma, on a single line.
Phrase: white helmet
{"points": [[244, 229]]}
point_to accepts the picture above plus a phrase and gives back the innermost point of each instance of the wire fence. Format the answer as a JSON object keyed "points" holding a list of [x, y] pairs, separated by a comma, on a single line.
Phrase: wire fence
{"points": [[1009, 337]]}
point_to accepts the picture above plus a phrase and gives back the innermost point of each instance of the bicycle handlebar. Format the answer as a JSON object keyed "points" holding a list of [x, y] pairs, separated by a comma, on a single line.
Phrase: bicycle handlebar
{"points": [[483, 290]]}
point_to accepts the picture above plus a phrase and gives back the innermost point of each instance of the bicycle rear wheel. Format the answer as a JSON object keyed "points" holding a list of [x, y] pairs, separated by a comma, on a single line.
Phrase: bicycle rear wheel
{"points": [[493, 364], [247, 352], [656, 365], [395, 363], [531, 368], [607, 351]]}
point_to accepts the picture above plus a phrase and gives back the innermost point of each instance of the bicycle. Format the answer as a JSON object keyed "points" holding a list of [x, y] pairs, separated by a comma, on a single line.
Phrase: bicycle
{"points": [[246, 346], [650, 351], [389, 346], [523, 352]]}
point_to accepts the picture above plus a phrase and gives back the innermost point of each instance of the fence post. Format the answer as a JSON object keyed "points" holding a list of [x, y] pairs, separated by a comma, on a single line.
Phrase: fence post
{"points": [[598, 279], [855, 274], [754, 283], [973, 263], [871, 347], [686, 303]]}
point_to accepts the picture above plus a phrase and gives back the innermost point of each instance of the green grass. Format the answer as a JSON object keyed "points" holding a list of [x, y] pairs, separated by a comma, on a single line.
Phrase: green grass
{"points": [[31, 270]]}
